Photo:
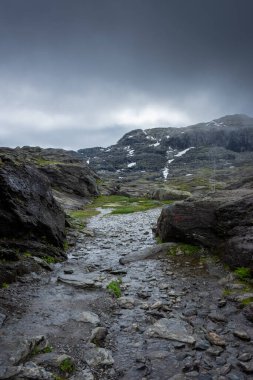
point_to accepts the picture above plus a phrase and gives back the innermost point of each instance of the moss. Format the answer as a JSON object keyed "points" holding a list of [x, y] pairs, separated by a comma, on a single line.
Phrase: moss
{"points": [[5, 285], [43, 162], [114, 287], [185, 249], [158, 240], [50, 259], [227, 292], [67, 366], [247, 301], [65, 245], [243, 273], [46, 350], [27, 254]]}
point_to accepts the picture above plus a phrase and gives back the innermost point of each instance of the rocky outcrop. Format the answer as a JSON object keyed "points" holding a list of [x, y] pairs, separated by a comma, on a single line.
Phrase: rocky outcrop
{"points": [[170, 194], [31, 221], [223, 224]]}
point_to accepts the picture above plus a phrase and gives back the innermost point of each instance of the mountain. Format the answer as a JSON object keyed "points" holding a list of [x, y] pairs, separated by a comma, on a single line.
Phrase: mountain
{"points": [[171, 152]]}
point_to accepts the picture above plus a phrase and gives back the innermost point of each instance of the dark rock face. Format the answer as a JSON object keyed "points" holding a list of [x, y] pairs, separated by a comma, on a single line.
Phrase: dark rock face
{"points": [[27, 206], [222, 224]]}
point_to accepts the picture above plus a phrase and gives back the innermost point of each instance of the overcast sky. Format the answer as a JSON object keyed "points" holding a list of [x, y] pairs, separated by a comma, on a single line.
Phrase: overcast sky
{"points": [[80, 73]]}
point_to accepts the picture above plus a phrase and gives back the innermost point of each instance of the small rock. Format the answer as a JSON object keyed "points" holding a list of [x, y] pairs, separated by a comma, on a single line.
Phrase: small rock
{"points": [[222, 303], [68, 271], [178, 345], [96, 357], [217, 317], [127, 302], [246, 357], [225, 369], [156, 305], [2, 319], [242, 335], [143, 294], [202, 345], [189, 312], [248, 312], [216, 339], [88, 317], [172, 329], [86, 374], [98, 335], [31, 371], [246, 367], [9, 372], [215, 351]]}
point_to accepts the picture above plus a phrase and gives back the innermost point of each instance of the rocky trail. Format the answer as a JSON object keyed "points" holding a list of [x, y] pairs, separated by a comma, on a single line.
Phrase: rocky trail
{"points": [[172, 321]]}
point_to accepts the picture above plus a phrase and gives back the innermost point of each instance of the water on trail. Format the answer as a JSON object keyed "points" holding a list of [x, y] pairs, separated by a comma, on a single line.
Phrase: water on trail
{"points": [[160, 327]]}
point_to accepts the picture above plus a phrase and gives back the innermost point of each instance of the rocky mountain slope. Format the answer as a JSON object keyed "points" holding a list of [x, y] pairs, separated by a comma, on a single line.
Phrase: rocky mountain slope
{"points": [[222, 144]]}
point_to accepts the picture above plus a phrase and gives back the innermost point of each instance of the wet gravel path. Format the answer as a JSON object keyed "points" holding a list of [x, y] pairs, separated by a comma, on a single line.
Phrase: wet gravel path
{"points": [[171, 322]]}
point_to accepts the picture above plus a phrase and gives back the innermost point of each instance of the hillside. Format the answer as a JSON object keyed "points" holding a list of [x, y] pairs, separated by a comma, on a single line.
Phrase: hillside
{"points": [[165, 153]]}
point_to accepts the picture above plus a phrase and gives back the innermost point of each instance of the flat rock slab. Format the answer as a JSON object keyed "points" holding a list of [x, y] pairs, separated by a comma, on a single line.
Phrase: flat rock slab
{"points": [[83, 281], [172, 329], [88, 317], [147, 253]]}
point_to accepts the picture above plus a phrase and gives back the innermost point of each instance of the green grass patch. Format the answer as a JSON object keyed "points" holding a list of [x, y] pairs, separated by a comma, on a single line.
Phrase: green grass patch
{"points": [[46, 350], [185, 249], [227, 292], [114, 287], [50, 259], [44, 162], [5, 285], [67, 365], [247, 301], [27, 254], [243, 273]]}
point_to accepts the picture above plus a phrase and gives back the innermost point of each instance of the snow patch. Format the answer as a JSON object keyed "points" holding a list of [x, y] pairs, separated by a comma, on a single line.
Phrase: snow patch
{"points": [[170, 161], [156, 144], [183, 152], [108, 150], [130, 152], [88, 161], [188, 175], [131, 165], [165, 173]]}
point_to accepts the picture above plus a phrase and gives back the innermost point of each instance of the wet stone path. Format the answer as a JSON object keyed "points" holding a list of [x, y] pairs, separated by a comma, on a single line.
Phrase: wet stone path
{"points": [[172, 320]]}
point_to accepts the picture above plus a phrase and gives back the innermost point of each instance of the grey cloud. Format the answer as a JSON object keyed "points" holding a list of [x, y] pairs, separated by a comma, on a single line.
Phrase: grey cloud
{"points": [[80, 65]]}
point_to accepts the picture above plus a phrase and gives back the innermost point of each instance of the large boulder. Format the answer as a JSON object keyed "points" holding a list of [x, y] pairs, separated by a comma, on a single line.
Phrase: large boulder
{"points": [[28, 208], [224, 225], [170, 194]]}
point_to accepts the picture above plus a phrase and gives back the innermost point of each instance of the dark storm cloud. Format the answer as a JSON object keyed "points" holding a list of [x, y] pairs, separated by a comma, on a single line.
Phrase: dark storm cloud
{"points": [[71, 68]]}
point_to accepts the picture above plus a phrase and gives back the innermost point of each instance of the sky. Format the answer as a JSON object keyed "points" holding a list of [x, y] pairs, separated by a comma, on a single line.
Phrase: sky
{"points": [[81, 73]]}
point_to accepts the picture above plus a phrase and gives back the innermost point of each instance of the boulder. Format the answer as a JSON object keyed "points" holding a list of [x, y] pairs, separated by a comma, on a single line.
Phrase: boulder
{"points": [[222, 224]]}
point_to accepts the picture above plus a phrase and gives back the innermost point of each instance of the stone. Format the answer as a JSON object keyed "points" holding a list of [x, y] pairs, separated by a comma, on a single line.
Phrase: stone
{"points": [[88, 317], [246, 367], [80, 281], [96, 357], [2, 319], [217, 317], [68, 271], [226, 369], [86, 374], [9, 372], [31, 371], [215, 339], [248, 312], [243, 335], [127, 302], [98, 335], [202, 345], [214, 350], [42, 263], [171, 329], [245, 357]]}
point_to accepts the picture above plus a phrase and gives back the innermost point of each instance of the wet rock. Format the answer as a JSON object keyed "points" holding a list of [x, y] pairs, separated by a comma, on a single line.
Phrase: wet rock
{"points": [[222, 303], [156, 305], [17, 349], [226, 369], [68, 271], [245, 357], [9, 372], [202, 345], [80, 281], [214, 350], [96, 357], [147, 253], [189, 312], [127, 302], [43, 263], [51, 359], [144, 295], [246, 367], [172, 329], [217, 317], [215, 339], [248, 312], [243, 335], [2, 319], [98, 335], [88, 317], [86, 374], [178, 345], [31, 371]]}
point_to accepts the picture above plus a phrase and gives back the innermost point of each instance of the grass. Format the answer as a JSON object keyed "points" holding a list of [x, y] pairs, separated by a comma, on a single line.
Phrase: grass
{"points": [[49, 259], [46, 350], [227, 292], [5, 285], [247, 301], [114, 287], [243, 273], [119, 205], [67, 366], [44, 162], [186, 249], [27, 254]]}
